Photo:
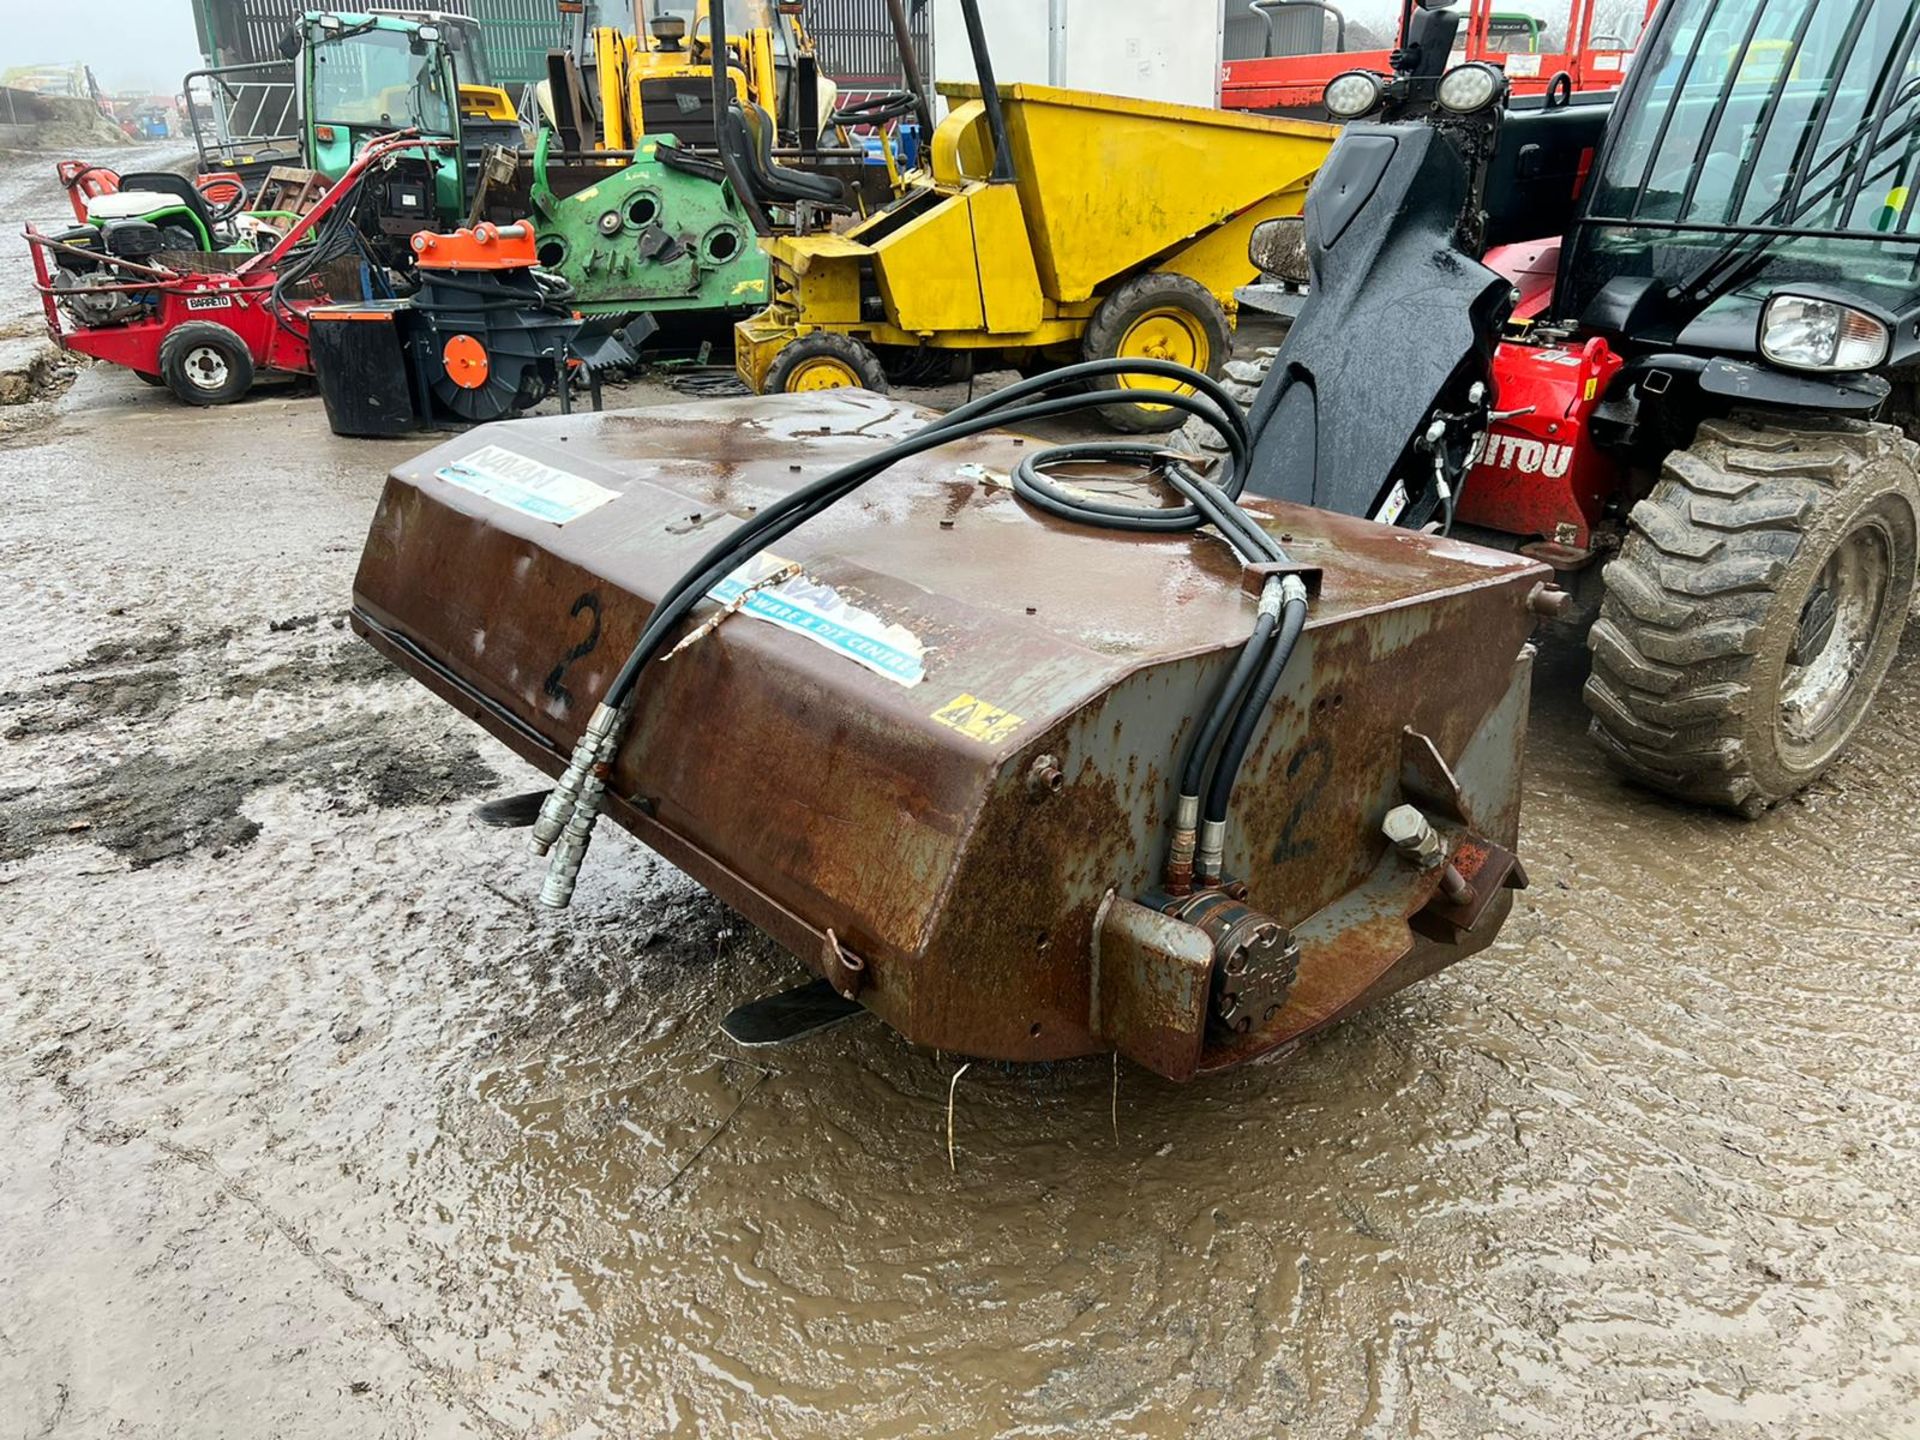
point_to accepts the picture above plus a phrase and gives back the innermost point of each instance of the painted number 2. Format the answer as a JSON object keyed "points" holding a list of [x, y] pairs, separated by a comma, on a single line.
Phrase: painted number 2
{"points": [[555, 689], [1314, 760]]}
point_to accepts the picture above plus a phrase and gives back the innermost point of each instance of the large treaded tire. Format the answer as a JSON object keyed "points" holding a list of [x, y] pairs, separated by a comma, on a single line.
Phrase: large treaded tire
{"points": [[1242, 380], [1704, 606], [1132, 302]]}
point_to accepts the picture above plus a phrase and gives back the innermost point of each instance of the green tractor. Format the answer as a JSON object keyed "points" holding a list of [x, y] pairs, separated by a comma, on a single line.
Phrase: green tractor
{"points": [[356, 75]]}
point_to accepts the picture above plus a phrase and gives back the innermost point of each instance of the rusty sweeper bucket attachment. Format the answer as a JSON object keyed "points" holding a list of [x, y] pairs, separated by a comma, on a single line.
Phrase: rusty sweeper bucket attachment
{"points": [[1030, 763]]}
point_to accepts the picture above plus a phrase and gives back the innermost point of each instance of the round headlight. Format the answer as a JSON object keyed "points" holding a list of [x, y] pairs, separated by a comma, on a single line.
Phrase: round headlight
{"points": [[1351, 95], [1470, 87]]}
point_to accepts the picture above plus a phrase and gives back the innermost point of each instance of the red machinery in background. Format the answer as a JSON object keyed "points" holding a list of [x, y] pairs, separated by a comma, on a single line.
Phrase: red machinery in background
{"points": [[207, 329], [1292, 84], [83, 181]]}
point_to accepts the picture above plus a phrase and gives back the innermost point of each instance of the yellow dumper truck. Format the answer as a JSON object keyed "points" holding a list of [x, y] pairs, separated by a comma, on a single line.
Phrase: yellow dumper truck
{"points": [[1051, 225]]}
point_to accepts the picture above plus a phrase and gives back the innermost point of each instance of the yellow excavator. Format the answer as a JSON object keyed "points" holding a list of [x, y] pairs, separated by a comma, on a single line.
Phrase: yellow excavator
{"points": [[657, 78]]}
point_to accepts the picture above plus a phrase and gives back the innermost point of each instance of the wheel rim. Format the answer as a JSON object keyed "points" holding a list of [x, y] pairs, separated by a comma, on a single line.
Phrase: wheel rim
{"points": [[206, 368], [1832, 644], [823, 372], [1165, 333]]}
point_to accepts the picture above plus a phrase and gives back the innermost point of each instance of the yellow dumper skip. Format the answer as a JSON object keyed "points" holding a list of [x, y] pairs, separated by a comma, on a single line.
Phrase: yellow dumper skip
{"points": [[1123, 231]]}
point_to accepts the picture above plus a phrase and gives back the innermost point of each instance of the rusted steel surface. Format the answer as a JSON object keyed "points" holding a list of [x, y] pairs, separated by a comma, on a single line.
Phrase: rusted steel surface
{"points": [[817, 796], [1150, 984]]}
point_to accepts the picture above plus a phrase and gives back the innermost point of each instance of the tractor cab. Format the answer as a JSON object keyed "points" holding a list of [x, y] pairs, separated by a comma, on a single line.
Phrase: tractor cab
{"points": [[361, 75]]}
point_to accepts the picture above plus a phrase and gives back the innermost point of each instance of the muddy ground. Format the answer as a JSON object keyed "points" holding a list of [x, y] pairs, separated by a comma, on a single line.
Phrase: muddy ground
{"points": [[317, 1126]]}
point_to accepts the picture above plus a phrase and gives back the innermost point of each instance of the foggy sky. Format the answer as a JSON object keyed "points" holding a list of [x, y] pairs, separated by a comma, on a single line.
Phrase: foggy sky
{"points": [[131, 44], [150, 44]]}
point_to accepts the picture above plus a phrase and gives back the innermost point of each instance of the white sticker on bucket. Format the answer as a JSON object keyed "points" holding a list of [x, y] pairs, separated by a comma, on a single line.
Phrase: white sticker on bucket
{"points": [[524, 484], [806, 607]]}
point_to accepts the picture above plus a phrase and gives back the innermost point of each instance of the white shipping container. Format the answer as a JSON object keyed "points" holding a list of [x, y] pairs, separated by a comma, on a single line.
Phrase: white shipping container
{"points": [[1145, 49]]}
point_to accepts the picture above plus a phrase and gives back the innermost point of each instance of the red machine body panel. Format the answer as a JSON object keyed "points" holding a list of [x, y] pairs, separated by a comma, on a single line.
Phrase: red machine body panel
{"points": [[239, 303], [1538, 474], [239, 298], [1294, 82]]}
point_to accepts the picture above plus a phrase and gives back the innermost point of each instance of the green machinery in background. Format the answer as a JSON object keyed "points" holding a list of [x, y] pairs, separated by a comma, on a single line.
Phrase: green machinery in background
{"points": [[661, 232], [356, 75]]}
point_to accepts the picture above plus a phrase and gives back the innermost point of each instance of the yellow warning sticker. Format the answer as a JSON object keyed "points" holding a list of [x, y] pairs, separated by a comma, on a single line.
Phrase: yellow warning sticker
{"points": [[977, 720], [1593, 386]]}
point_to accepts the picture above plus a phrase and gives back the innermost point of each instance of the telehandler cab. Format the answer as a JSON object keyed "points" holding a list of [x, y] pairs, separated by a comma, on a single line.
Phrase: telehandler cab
{"points": [[1696, 415]]}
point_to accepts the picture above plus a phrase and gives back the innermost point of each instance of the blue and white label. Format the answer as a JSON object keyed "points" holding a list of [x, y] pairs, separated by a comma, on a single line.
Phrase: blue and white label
{"points": [[524, 484], [769, 588]]}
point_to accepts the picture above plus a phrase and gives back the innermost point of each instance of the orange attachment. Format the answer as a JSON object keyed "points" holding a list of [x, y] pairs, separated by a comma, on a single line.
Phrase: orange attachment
{"points": [[220, 188], [83, 182], [484, 247], [466, 362]]}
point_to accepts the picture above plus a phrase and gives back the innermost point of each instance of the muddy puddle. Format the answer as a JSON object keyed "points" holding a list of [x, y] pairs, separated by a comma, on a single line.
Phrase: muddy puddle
{"points": [[321, 1128]]}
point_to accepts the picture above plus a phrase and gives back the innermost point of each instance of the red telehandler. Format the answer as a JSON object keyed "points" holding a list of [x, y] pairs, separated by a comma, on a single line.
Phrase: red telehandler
{"points": [[1669, 341]]}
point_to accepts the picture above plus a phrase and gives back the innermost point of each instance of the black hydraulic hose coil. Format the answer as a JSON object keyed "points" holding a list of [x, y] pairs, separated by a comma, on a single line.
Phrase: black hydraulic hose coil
{"points": [[574, 804], [990, 412]]}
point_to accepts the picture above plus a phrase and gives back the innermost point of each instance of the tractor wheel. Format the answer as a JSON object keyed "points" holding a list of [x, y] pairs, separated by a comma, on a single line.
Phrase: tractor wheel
{"points": [[1156, 317], [206, 364], [1242, 380], [825, 361], [1755, 607]]}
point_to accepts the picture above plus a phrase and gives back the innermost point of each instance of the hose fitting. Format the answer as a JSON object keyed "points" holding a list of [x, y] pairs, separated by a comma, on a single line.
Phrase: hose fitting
{"points": [[1213, 845], [1186, 825], [1293, 591], [565, 795], [1270, 596], [563, 869]]}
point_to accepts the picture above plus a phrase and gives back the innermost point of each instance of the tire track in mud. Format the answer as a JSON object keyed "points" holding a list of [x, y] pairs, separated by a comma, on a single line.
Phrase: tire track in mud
{"points": [[148, 805]]}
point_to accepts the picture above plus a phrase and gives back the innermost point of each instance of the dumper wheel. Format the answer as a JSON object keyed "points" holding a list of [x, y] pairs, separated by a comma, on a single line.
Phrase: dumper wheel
{"points": [[206, 364], [1755, 607], [822, 361], [1242, 380], [1156, 317]]}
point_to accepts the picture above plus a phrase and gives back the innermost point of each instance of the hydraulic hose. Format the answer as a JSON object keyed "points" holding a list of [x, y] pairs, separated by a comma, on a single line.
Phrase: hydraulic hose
{"points": [[1193, 775], [338, 236], [1206, 504], [572, 809], [1254, 545], [1246, 725], [987, 413]]}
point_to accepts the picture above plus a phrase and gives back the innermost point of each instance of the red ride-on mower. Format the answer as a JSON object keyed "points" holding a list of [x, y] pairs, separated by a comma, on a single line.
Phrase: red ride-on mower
{"points": [[207, 324]]}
